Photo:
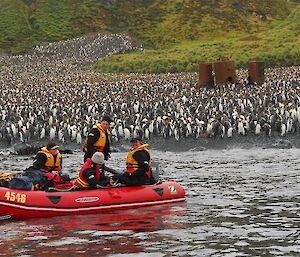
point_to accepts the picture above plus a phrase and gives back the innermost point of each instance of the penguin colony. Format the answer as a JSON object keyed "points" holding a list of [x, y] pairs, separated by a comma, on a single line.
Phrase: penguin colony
{"points": [[54, 94]]}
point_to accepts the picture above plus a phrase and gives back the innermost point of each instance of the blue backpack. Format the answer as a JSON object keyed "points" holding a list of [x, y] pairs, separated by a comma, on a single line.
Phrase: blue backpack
{"points": [[30, 180]]}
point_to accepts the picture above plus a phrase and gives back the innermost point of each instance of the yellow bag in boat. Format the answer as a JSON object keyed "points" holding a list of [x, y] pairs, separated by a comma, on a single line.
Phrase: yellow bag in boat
{"points": [[5, 177]]}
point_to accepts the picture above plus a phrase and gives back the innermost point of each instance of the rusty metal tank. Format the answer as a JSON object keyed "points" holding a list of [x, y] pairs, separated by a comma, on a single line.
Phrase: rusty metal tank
{"points": [[206, 78], [225, 72], [256, 71]]}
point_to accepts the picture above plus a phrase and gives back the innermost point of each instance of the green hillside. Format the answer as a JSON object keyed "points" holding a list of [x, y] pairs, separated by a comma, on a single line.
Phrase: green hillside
{"points": [[176, 34], [24, 23], [278, 44]]}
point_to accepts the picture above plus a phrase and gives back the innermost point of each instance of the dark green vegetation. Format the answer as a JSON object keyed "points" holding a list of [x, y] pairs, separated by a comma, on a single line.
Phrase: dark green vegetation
{"points": [[176, 34]]}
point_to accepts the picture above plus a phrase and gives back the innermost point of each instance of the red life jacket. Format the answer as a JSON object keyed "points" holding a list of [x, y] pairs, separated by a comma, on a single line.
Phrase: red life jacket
{"points": [[80, 180], [52, 177]]}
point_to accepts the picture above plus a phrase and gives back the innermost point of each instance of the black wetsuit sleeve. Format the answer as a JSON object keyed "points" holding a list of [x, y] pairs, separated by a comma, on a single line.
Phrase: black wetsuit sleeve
{"points": [[93, 137], [40, 161], [90, 176], [110, 170], [106, 149], [143, 159]]}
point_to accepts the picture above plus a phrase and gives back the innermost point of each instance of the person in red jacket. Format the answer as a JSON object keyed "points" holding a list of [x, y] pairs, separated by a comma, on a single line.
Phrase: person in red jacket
{"points": [[91, 174]]}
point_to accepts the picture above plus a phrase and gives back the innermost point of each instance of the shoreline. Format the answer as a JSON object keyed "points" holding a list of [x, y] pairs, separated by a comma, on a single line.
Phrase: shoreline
{"points": [[171, 145], [244, 142]]}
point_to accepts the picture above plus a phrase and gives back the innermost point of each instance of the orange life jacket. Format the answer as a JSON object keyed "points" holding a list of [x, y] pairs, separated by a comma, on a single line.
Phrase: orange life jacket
{"points": [[50, 159], [100, 143], [80, 180], [132, 165]]}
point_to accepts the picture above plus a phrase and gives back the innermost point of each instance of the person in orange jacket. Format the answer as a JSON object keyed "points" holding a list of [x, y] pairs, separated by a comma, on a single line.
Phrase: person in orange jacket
{"points": [[138, 165], [48, 158], [98, 139], [49, 161]]}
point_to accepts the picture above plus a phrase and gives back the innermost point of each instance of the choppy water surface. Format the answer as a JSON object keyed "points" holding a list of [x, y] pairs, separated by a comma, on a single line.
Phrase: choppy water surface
{"points": [[239, 203]]}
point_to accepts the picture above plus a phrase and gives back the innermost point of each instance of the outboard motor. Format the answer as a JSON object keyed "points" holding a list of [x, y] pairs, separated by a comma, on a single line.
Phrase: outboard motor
{"points": [[155, 172]]}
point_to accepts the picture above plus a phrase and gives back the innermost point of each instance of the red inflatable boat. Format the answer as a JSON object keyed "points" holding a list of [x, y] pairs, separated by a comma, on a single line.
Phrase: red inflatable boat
{"points": [[20, 204]]}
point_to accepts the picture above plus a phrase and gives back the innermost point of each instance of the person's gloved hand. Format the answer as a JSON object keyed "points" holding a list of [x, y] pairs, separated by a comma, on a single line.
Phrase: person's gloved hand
{"points": [[55, 172], [65, 177]]}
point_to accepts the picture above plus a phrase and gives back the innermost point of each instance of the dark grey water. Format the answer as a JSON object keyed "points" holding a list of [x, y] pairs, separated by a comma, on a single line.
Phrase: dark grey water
{"points": [[239, 203]]}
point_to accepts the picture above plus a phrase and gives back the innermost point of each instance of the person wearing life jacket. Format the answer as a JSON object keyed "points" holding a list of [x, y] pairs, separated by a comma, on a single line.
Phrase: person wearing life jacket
{"points": [[49, 161], [48, 158], [138, 165], [98, 139], [92, 173]]}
